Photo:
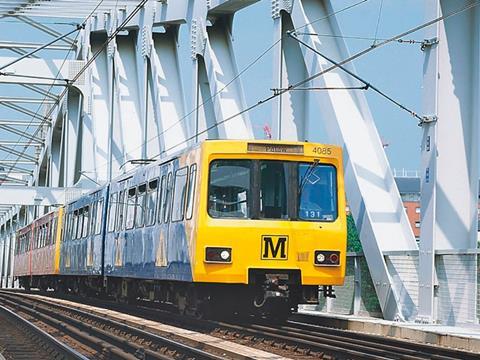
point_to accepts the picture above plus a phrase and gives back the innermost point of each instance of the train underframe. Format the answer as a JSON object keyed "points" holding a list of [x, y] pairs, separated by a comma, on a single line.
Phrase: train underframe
{"points": [[273, 295]]}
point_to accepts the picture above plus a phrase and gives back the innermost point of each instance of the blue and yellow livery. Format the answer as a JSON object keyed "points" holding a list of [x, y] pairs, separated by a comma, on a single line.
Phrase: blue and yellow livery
{"points": [[257, 225]]}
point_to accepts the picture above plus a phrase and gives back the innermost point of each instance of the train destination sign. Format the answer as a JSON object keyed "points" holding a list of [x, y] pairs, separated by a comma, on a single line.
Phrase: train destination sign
{"points": [[275, 148]]}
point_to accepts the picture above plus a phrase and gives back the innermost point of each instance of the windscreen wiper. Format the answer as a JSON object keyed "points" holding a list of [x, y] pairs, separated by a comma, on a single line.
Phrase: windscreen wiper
{"points": [[309, 172]]}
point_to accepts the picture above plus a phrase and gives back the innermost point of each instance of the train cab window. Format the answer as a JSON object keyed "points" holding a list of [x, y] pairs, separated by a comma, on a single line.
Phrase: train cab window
{"points": [[131, 202], [179, 194], [99, 216], [151, 203], [317, 192], [86, 221], [191, 191], [112, 212], [140, 206], [273, 190], [167, 199], [229, 189]]}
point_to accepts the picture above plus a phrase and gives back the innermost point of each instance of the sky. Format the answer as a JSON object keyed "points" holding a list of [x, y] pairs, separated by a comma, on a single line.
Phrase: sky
{"points": [[395, 68]]}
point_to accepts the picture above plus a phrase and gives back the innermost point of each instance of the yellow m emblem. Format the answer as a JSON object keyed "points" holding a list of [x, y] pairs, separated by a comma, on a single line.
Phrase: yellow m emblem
{"points": [[274, 247]]}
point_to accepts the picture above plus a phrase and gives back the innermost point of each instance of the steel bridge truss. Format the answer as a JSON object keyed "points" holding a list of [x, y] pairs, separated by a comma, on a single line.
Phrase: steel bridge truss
{"points": [[125, 99]]}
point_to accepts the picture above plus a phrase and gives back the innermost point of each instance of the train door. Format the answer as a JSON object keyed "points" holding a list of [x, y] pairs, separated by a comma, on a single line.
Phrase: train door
{"points": [[164, 213]]}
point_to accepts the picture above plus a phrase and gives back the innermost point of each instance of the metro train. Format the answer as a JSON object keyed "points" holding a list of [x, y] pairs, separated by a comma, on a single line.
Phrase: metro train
{"points": [[223, 226]]}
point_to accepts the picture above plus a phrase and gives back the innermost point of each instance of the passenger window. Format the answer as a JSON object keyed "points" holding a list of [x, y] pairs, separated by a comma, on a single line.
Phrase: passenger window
{"points": [[86, 221], [167, 201], [80, 224], [151, 203], [112, 211], [120, 220], [140, 207], [181, 177], [191, 190], [161, 199], [75, 224], [131, 208], [98, 222], [93, 217]]}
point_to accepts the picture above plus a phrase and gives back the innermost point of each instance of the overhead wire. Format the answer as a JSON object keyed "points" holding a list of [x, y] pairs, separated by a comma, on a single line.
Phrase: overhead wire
{"points": [[366, 38], [378, 22], [331, 68], [236, 77], [49, 92]]}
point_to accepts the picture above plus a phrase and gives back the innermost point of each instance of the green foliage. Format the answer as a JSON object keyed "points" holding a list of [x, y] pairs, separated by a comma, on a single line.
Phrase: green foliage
{"points": [[353, 240]]}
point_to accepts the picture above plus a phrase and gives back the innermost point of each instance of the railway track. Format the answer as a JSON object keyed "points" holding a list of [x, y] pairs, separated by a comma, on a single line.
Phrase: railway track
{"points": [[104, 338], [20, 339], [299, 338]]}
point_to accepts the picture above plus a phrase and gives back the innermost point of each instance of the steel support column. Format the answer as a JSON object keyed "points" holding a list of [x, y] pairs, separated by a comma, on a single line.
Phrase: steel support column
{"points": [[371, 190], [450, 168]]}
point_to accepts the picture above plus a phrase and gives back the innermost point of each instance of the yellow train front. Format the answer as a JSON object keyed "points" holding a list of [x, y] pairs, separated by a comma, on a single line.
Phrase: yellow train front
{"points": [[271, 226]]}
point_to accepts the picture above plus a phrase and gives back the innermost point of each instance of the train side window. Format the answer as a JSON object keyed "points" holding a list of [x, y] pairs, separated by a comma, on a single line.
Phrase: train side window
{"points": [[43, 235], [80, 224], [120, 219], [161, 199], [112, 211], [140, 206], [98, 222], [86, 221], [179, 194], [73, 230], [167, 201], [191, 191], [131, 208], [70, 225], [151, 203], [93, 216]]}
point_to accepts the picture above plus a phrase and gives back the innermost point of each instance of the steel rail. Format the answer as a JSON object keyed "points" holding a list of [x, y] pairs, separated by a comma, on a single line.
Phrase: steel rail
{"points": [[119, 343], [45, 337]]}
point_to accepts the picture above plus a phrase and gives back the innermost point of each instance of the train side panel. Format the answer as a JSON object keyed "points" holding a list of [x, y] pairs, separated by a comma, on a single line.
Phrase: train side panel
{"points": [[22, 258], [43, 247], [82, 246], [150, 226]]}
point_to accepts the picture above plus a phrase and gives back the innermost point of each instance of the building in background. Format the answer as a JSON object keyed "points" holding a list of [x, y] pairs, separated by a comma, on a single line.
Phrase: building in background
{"points": [[408, 184]]}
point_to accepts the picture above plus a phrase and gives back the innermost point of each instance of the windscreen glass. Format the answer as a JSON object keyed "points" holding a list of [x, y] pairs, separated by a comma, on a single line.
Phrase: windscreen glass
{"points": [[317, 192], [229, 189]]}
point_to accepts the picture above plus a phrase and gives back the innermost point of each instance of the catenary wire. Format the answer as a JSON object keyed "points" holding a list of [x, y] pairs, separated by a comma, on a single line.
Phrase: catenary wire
{"points": [[235, 78], [44, 120], [378, 22], [351, 58]]}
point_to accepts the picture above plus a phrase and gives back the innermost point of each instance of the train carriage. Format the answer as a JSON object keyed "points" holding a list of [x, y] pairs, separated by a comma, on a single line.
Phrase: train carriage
{"points": [[37, 257], [248, 226], [81, 250]]}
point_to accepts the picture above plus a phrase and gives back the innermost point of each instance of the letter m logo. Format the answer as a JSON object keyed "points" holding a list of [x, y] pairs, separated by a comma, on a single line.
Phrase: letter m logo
{"points": [[274, 247]]}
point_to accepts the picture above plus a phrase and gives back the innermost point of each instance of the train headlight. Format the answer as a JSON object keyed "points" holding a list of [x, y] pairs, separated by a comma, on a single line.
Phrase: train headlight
{"points": [[218, 255], [327, 258]]}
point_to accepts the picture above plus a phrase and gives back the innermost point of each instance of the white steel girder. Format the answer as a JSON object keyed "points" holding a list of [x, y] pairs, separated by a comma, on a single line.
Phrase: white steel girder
{"points": [[371, 190], [37, 195], [450, 165], [215, 67]]}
